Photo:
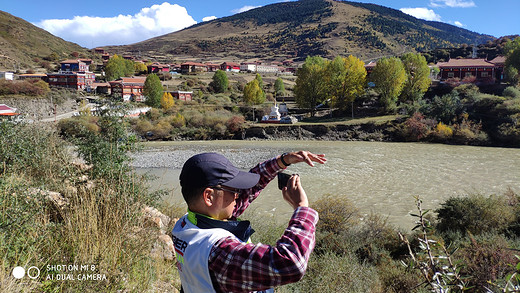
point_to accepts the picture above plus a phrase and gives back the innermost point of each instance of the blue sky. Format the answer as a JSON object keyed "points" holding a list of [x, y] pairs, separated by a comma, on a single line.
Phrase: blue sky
{"points": [[118, 22]]}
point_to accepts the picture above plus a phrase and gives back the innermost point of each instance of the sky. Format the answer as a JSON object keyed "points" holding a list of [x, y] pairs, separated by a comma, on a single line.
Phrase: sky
{"points": [[119, 22]]}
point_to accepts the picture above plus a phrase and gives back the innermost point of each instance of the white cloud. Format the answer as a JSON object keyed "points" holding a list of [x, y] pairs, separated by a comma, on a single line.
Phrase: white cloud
{"points": [[422, 13], [208, 18], [150, 22], [452, 3], [458, 23], [244, 9]]}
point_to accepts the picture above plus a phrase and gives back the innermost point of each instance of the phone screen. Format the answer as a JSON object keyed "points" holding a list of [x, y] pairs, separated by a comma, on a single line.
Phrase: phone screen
{"points": [[283, 178]]}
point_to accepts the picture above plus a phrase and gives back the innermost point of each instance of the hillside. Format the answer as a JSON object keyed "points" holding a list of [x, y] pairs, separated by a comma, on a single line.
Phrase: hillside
{"points": [[22, 44], [306, 27]]}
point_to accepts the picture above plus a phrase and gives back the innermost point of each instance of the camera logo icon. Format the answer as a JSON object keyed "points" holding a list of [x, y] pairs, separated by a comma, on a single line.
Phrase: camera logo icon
{"points": [[19, 272]]}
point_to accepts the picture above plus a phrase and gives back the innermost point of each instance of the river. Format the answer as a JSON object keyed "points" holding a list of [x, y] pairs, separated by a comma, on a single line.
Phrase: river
{"points": [[377, 177]]}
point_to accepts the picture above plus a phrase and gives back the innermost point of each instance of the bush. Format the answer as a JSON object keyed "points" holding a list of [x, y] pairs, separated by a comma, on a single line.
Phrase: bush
{"points": [[512, 92], [475, 214], [416, 127], [442, 132], [336, 214]]}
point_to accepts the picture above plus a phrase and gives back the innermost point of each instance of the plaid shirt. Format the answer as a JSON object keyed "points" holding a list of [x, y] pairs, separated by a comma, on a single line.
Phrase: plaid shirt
{"points": [[242, 267]]}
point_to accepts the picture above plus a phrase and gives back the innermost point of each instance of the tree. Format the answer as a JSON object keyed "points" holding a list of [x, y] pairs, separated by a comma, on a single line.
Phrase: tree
{"points": [[260, 81], [417, 77], [167, 101], [389, 77], [346, 79], [220, 82], [253, 94], [153, 90], [118, 67], [310, 84], [512, 51], [140, 68], [279, 88]]}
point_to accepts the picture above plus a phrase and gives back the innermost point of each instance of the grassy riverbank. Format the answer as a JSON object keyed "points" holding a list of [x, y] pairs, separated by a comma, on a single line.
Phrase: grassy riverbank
{"points": [[100, 226]]}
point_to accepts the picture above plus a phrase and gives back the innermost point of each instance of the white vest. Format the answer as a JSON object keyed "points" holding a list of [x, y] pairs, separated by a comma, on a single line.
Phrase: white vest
{"points": [[192, 248]]}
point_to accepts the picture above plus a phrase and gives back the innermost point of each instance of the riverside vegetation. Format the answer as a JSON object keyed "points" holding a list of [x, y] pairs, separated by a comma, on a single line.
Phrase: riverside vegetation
{"points": [[470, 243]]}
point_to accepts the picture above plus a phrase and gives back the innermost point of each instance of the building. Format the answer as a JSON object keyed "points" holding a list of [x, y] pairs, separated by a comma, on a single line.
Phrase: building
{"points": [[99, 50], [182, 96], [230, 66], [212, 67], [73, 74], [101, 88], [248, 67], [7, 111], [71, 80], [7, 75], [481, 69], [267, 69], [189, 67], [158, 67], [370, 67], [128, 89], [41, 76]]}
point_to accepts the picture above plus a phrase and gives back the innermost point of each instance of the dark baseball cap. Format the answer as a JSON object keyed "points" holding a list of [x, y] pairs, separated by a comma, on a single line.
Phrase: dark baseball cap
{"points": [[212, 169]]}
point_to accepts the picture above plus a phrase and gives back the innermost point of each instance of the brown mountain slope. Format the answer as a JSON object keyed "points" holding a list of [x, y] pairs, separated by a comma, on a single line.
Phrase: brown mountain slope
{"points": [[306, 27], [21, 43]]}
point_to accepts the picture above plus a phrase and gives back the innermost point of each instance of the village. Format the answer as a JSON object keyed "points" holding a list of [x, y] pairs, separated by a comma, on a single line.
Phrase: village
{"points": [[78, 74]]}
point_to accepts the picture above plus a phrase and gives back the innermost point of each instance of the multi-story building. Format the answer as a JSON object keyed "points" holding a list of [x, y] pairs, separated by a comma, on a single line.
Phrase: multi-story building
{"points": [[128, 89], [73, 74]]}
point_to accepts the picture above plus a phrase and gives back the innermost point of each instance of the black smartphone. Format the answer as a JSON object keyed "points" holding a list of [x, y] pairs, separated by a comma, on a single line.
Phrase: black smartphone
{"points": [[283, 178]]}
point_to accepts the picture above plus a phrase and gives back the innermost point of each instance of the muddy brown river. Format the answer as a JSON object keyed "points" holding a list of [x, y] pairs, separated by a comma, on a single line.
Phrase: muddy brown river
{"points": [[376, 177]]}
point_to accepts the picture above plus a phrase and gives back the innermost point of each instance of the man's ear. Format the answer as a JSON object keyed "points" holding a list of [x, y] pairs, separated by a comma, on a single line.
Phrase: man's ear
{"points": [[207, 196]]}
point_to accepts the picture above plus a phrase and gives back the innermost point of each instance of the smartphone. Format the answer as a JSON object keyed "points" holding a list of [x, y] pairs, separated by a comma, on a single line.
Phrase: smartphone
{"points": [[283, 178]]}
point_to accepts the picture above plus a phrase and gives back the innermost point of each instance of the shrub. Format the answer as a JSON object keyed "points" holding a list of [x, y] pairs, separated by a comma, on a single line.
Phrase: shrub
{"points": [[475, 214], [416, 127], [512, 92], [235, 124], [336, 214], [487, 259], [442, 132]]}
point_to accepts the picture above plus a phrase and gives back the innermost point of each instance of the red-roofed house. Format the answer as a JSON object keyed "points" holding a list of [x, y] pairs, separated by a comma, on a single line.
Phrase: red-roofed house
{"points": [[481, 69], [7, 111], [212, 67], [230, 66], [128, 88], [74, 74], [188, 67], [183, 96], [157, 67]]}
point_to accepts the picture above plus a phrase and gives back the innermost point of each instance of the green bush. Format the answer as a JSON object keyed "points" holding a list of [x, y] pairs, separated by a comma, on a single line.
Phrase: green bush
{"points": [[475, 214], [512, 92], [337, 214]]}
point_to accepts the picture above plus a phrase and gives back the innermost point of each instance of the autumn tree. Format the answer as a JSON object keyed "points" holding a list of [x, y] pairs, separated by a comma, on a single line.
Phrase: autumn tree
{"points": [[260, 81], [253, 94], [310, 83], [279, 88], [140, 68], [389, 77], [153, 90], [417, 77], [220, 82], [167, 101], [346, 79]]}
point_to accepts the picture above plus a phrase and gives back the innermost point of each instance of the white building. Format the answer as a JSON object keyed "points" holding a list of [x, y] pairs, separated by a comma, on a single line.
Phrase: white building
{"points": [[267, 69], [248, 67], [7, 75]]}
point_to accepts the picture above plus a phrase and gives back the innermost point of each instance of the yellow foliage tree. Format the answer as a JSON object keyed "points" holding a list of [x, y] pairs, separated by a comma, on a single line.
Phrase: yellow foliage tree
{"points": [[167, 101]]}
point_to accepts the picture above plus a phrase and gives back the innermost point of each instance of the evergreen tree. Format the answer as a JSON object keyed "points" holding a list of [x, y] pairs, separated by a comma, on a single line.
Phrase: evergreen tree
{"points": [[153, 90], [279, 88], [220, 82]]}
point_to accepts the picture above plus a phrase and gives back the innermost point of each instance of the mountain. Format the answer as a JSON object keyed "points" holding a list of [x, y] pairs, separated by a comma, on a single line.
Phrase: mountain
{"points": [[23, 45], [306, 27]]}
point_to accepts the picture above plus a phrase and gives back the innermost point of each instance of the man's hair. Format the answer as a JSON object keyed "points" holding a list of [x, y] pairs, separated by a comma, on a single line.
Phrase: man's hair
{"points": [[191, 194]]}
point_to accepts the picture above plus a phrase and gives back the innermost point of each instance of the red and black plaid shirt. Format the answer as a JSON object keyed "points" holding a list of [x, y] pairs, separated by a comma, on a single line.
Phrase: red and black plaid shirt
{"points": [[242, 267]]}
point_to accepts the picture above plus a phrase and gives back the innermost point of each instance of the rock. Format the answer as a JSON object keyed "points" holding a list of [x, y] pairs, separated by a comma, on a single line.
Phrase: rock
{"points": [[56, 202], [154, 218], [163, 248]]}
